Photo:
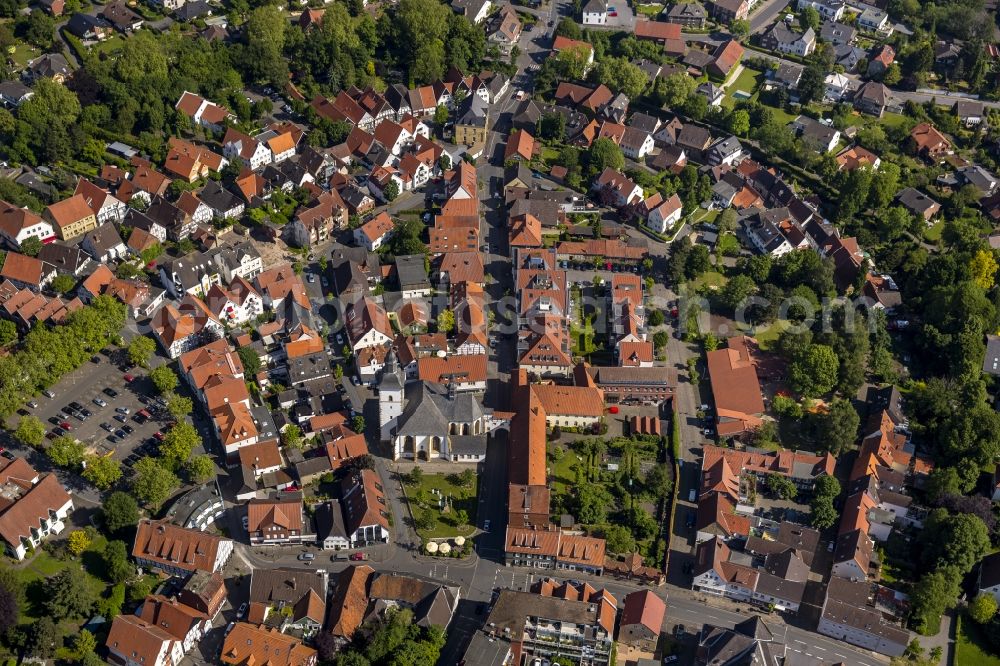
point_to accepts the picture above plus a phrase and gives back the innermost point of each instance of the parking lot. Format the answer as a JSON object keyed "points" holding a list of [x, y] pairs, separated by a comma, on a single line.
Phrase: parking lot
{"points": [[93, 401]]}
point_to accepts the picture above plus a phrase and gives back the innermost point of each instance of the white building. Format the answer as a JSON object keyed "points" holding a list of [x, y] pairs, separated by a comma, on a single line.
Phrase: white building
{"points": [[595, 12]]}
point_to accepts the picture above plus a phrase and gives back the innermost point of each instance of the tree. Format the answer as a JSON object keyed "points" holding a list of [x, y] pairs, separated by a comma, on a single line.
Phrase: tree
{"points": [[657, 318], [983, 269], [30, 431], [618, 539], [740, 29], [445, 321], [265, 39], [620, 75], [11, 599], [120, 511], [250, 360], [291, 436], [68, 595], [825, 490], [605, 154], [179, 406], [84, 643], [676, 88], [66, 451], [781, 486], [201, 469], [739, 124], [31, 246], [44, 634], [358, 424], [812, 84], [116, 562], [983, 608], [936, 592], [813, 372], [809, 17], [8, 331], [102, 471], [660, 339], [567, 27], [78, 542], [441, 115], [176, 447], [736, 291], [153, 483], [390, 191], [164, 378], [553, 126], [838, 428], [140, 349], [957, 541], [63, 283]]}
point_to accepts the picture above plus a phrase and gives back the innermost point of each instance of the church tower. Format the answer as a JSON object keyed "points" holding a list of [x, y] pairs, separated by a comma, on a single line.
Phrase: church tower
{"points": [[390, 397]]}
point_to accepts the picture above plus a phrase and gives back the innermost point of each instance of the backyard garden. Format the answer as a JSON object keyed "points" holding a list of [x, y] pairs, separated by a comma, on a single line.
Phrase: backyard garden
{"points": [[615, 488], [442, 505]]}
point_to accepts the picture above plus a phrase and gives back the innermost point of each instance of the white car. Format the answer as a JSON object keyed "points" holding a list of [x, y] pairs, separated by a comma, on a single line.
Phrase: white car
{"points": [[246, 522]]}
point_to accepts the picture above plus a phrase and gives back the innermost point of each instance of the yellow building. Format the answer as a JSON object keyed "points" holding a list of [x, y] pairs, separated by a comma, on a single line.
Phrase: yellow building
{"points": [[472, 121], [71, 217]]}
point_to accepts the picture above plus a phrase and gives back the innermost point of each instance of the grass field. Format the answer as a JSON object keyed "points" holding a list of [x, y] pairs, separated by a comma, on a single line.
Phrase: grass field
{"points": [[23, 53], [933, 233], [424, 502], [971, 646], [769, 335], [747, 81], [43, 566], [561, 471], [710, 279]]}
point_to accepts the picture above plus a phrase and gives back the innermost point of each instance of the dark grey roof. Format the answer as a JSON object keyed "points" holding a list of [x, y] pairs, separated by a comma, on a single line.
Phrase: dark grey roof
{"points": [[473, 112], [306, 368], [429, 409], [915, 200], [192, 10], [219, 199], [274, 587], [687, 10], [103, 238], [329, 520], [411, 272], [467, 444], [837, 33], [64, 258]]}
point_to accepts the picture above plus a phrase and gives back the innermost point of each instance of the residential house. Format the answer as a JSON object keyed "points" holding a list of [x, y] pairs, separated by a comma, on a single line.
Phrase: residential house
{"points": [[783, 39], [616, 189], [641, 620], [14, 93], [727, 11], [821, 137], [19, 224], [71, 217], [874, 19], [180, 329], [133, 641], [559, 44], [179, 551], [89, 28], [105, 206], [291, 599], [27, 272], [595, 12], [277, 521], [838, 87], [366, 514], [688, 14], [929, 143], [184, 624], [850, 615], [50, 65], [636, 144], [662, 217], [505, 30], [970, 112], [121, 17], [735, 386], [224, 204], [725, 57], [475, 11], [472, 121], [751, 640], [35, 507], [726, 151], [375, 232], [830, 10], [872, 98], [253, 153], [104, 244], [249, 644], [918, 203], [881, 60], [856, 157], [202, 112], [837, 34]]}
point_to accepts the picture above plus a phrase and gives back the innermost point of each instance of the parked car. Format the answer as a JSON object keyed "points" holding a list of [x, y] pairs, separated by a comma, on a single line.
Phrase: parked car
{"points": [[32, 404], [110, 392], [59, 432], [100, 402], [120, 434], [123, 410], [241, 612], [7, 454], [75, 405], [48, 394], [129, 378], [107, 426], [113, 439], [120, 418], [129, 429], [359, 557], [307, 557]]}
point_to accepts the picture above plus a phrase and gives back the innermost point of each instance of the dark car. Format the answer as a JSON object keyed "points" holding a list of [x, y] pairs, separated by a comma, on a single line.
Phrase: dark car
{"points": [[75, 405], [120, 418], [95, 359], [120, 434], [54, 420], [7, 454], [107, 426], [113, 439], [59, 432], [129, 429], [111, 393], [86, 412]]}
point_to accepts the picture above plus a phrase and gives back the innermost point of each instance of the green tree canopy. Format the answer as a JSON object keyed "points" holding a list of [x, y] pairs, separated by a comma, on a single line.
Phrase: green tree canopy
{"points": [[120, 511]]}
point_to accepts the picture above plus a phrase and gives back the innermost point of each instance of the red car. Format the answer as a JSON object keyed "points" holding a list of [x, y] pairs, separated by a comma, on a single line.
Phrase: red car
{"points": [[358, 557], [65, 425], [158, 435], [129, 378]]}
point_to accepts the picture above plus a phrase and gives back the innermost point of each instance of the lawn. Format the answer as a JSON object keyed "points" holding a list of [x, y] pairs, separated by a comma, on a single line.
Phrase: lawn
{"points": [[23, 53], [109, 45], [710, 279], [933, 233], [971, 645], [769, 335], [561, 474], [425, 502], [649, 10], [747, 81], [44, 566]]}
